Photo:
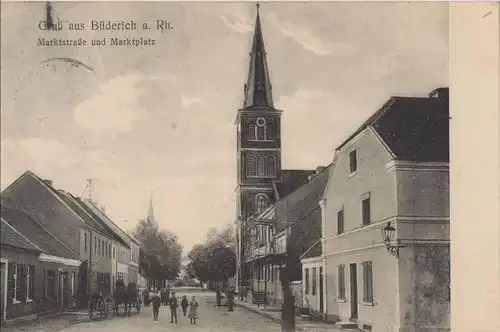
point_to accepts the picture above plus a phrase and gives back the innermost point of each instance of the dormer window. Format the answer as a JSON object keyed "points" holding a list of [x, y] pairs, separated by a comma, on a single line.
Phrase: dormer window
{"points": [[353, 161]]}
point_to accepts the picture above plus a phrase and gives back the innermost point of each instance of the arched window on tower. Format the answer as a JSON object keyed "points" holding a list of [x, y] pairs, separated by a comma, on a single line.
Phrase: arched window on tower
{"points": [[270, 136], [250, 166], [261, 166], [260, 129], [271, 166]]}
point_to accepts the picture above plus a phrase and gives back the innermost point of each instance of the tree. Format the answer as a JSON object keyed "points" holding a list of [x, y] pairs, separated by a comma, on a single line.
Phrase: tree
{"points": [[215, 260], [160, 253]]}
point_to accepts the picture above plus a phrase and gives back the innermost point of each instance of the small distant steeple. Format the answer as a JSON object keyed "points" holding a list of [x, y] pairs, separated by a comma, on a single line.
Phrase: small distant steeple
{"points": [[151, 214], [258, 86]]}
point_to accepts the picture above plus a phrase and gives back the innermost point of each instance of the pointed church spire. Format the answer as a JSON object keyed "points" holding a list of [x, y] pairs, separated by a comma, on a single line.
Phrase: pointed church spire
{"points": [[151, 215], [258, 85]]}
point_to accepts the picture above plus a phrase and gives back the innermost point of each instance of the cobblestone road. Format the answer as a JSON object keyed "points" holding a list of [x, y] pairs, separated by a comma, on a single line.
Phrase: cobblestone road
{"points": [[211, 319]]}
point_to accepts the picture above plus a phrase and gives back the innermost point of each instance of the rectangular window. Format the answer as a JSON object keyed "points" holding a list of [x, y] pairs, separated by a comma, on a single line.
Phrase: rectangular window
{"points": [[367, 282], [109, 250], [353, 161], [365, 206], [85, 242], [314, 281], [307, 281], [113, 252], [99, 247], [51, 284], [95, 245], [340, 221], [341, 282], [18, 296]]}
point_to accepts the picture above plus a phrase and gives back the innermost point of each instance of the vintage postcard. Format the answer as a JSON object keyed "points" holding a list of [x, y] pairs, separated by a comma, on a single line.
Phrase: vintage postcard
{"points": [[226, 166]]}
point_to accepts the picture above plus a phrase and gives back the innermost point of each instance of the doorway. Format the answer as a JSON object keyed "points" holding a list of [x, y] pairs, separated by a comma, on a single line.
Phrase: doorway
{"points": [[354, 290], [321, 292]]}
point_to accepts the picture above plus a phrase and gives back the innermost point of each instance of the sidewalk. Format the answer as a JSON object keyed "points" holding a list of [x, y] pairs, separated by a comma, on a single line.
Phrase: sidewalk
{"points": [[49, 323], [275, 315]]}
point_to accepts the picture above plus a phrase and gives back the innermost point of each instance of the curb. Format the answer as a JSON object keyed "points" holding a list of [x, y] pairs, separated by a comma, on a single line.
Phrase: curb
{"points": [[259, 312], [76, 321]]}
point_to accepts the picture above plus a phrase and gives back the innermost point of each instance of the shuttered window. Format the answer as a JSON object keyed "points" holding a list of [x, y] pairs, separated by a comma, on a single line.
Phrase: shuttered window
{"points": [[250, 166], [341, 282], [353, 161], [261, 166], [51, 284], [307, 281], [367, 282], [30, 282], [314, 281], [271, 166]]}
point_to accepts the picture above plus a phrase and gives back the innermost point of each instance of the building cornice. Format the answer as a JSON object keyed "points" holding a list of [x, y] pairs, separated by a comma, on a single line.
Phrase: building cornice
{"points": [[59, 260], [403, 165]]}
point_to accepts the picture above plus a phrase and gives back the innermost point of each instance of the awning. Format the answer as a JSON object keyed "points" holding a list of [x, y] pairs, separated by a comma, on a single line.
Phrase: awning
{"points": [[59, 260]]}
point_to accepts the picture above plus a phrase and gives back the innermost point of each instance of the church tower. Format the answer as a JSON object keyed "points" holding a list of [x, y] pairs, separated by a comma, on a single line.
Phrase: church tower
{"points": [[259, 141], [258, 145]]}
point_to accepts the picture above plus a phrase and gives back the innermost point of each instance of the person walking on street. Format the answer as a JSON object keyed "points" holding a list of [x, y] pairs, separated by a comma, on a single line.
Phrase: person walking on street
{"points": [[156, 305], [193, 311], [173, 308], [184, 305]]}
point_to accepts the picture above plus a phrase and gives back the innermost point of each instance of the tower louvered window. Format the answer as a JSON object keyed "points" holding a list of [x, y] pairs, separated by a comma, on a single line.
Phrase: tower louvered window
{"points": [[271, 166], [270, 136], [250, 166], [261, 166]]}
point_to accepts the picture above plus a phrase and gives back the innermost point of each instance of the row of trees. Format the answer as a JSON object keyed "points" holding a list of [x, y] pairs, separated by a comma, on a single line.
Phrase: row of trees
{"points": [[160, 252], [214, 260]]}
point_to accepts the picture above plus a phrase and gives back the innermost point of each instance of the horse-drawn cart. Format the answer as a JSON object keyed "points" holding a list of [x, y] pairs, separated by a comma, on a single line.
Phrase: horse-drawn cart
{"points": [[98, 306], [126, 298]]}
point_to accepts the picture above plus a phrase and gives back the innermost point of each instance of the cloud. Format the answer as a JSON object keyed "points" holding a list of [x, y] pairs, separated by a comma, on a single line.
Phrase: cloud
{"points": [[309, 41], [187, 102], [114, 109], [238, 23]]}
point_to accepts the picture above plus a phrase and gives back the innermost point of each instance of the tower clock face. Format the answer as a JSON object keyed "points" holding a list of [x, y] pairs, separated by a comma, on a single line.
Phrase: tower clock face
{"points": [[261, 122]]}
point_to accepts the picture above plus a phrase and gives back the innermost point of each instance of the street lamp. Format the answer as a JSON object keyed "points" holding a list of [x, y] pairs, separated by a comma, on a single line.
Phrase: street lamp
{"points": [[387, 236]]}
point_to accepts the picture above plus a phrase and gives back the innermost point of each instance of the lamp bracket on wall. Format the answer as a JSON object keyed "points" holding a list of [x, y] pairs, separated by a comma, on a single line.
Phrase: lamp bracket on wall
{"points": [[392, 246]]}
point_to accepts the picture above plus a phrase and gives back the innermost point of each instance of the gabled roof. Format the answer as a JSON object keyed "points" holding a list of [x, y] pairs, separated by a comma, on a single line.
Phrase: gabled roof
{"points": [[413, 128], [99, 217], [315, 251], [258, 91], [302, 201], [9, 236], [290, 181], [36, 233], [106, 220]]}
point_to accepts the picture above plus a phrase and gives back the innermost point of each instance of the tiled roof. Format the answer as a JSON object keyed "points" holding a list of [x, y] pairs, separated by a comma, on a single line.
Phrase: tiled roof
{"points": [[314, 251], [106, 222], [10, 237], [414, 129], [302, 201], [36, 233], [290, 181]]}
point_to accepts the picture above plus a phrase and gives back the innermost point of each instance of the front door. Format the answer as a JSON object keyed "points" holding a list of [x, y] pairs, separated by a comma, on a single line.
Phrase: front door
{"points": [[64, 289], [354, 291], [321, 309]]}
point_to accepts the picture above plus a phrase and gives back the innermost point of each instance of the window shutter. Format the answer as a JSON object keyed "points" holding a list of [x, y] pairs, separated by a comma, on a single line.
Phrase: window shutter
{"points": [[365, 282], [270, 131], [10, 283], [369, 275], [23, 279], [32, 281]]}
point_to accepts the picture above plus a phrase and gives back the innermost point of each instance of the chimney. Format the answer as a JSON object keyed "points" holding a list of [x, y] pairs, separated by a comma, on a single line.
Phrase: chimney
{"points": [[440, 93], [48, 182], [319, 169]]}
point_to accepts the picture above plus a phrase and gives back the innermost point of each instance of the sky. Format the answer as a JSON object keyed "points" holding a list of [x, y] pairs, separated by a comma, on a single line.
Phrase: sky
{"points": [[159, 120]]}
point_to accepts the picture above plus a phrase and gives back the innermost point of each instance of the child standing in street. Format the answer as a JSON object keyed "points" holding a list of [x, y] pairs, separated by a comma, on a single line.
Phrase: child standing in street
{"points": [[184, 305]]}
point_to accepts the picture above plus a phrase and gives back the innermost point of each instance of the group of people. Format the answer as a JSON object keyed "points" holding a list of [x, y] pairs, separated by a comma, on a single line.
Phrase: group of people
{"points": [[157, 300]]}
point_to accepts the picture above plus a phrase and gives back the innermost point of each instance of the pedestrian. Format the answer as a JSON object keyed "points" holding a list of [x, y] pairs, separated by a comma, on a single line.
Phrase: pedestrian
{"points": [[193, 311], [173, 308], [156, 305], [184, 305]]}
